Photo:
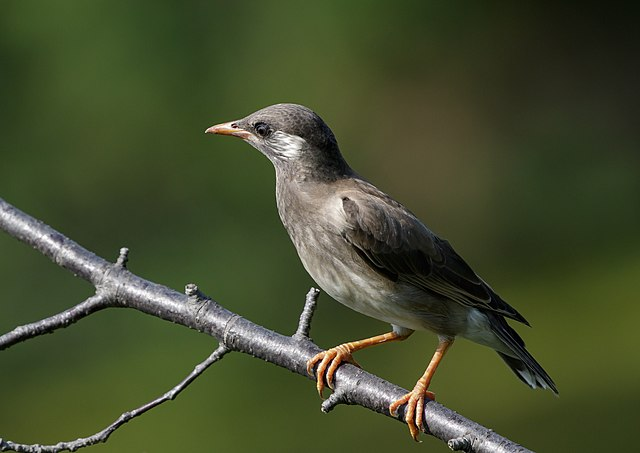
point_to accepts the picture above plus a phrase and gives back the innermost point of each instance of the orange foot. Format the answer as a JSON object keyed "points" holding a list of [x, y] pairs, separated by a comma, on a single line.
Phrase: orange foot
{"points": [[329, 362], [414, 414]]}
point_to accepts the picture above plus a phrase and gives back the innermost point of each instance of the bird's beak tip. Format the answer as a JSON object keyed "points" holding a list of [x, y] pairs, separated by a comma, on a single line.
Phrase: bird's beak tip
{"points": [[229, 128]]}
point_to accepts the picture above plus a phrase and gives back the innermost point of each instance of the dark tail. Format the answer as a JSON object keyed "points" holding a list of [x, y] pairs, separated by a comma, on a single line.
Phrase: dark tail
{"points": [[521, 362]]}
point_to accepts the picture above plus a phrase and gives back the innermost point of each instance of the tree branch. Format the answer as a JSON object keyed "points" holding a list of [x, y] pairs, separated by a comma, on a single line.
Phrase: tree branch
{"points": [[117, 287]]}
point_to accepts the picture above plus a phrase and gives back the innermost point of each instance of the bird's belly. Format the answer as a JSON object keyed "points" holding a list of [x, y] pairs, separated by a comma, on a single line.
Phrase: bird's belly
{"points": [[354, 284]]}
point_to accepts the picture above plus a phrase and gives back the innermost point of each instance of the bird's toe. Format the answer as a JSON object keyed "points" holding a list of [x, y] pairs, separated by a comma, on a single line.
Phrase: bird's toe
{"points": [[414, 412], [328, 362]]}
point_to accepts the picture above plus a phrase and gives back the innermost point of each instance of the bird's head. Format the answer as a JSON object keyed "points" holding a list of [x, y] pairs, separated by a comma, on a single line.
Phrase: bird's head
{"points": [[293, 137]]}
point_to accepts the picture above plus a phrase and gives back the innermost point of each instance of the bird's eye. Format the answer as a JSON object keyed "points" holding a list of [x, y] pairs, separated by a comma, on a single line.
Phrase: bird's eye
{"points": [[262, 129]]}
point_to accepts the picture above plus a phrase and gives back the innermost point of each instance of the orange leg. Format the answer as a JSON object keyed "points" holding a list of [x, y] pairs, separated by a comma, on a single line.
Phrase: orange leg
{"points": [[332, 358], [415, 399]]}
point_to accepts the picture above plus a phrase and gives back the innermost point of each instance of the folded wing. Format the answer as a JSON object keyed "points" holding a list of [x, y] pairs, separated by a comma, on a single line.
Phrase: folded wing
{"points": [[397, 245]]}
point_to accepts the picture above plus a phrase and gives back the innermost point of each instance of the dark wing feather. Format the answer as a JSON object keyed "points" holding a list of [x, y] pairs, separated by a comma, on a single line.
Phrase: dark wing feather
{"points": [[397, 245]]}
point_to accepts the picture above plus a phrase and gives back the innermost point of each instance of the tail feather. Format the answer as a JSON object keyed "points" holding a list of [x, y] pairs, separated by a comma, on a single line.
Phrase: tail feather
{"points": [[522, 363]]}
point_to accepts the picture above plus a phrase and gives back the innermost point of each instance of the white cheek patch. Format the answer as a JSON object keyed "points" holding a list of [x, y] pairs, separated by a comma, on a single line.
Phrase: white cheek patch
{"points": [[286, 145]]}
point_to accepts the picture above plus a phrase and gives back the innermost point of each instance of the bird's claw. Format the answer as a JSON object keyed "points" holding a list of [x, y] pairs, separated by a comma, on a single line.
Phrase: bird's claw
{"points": [[329, 362], [414, 413]]}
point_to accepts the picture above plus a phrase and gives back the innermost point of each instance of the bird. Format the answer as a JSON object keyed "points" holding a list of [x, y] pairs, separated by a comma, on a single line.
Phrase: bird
{"points": [[373, 255]]}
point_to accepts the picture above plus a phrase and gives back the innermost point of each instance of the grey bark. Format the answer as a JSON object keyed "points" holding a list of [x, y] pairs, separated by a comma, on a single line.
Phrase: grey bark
{"points": [[117, 287]]}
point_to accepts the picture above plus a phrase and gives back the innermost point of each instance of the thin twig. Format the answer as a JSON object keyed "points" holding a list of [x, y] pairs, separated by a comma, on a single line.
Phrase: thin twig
{"points": [[60, 320], [304, 325], [125, 417]]}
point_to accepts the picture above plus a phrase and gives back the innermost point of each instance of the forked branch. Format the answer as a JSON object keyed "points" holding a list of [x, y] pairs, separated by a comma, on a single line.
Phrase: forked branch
{"points": [[117, 287]]}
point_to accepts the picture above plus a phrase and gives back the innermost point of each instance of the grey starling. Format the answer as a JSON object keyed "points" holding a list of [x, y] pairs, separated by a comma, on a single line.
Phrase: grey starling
{"points": [[373, 255]]}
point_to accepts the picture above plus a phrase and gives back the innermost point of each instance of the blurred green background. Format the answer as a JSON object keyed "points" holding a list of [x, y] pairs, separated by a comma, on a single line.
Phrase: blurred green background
{"points": [[510, 129]]}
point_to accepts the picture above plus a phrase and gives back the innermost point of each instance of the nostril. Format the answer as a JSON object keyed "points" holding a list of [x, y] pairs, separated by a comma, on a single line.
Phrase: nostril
{"points": [[234, 125]]}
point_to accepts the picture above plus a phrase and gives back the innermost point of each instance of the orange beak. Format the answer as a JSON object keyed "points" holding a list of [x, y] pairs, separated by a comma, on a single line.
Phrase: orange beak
{"points": [[230, 128]]}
